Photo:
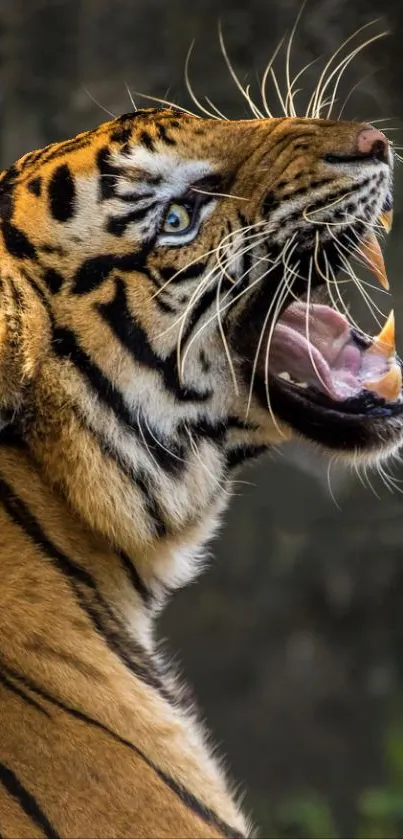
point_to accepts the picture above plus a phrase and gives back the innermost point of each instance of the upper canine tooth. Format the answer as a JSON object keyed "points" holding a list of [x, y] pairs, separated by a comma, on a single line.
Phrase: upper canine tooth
{"points": [[370, 249], [384, 343], [386, 220], [389, 386]]}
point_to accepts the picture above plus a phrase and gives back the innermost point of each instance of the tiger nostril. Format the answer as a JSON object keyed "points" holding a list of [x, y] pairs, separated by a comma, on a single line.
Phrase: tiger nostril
{"points": [[372, 143]]}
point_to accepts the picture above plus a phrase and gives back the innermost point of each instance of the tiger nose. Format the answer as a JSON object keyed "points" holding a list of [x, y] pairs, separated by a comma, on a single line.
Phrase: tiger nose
{"points": [[372, 143]]}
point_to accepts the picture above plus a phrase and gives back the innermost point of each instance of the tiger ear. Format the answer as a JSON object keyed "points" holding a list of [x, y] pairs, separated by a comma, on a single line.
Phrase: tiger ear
{"points": [[24, 336]]}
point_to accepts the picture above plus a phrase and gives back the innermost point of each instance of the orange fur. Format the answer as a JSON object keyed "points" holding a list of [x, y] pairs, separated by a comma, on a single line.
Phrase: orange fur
{"points": [[110, 472]]}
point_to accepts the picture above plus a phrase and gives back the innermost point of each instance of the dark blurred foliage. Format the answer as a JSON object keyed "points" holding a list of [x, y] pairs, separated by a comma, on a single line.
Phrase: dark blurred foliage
{"points": [[293, 640]]}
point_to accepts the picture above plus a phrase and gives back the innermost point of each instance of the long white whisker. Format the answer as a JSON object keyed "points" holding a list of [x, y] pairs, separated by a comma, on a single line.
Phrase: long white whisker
{"points": [[214, 107], [279, 292], [228, 305], [132, 102], [191, 92], [311, 110], [98, 104], [166, 102], [265, 77], [255, 110], [290, 96], [343, 66]]}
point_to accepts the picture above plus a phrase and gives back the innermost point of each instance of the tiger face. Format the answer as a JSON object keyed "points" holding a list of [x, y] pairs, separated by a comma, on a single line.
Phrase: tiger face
{"points": [[180, 264]]}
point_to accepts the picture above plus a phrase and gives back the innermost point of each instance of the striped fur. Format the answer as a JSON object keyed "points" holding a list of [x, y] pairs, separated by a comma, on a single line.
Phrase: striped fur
{"points": [[115, 464]]}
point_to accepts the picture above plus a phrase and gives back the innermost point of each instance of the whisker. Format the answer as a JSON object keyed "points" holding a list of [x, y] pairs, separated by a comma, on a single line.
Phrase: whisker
{"points": [[189, 87], [195, 450], [161, 446], [307, 325], [165, 102], [133, 104], [265, 77], [290, 96], [317, 94], [343, 66], [286, 288], [214, 107], [219, 194], [276, 312], [232, 301], [350, 93], [329, 483], [253, 107], [96, 102]]}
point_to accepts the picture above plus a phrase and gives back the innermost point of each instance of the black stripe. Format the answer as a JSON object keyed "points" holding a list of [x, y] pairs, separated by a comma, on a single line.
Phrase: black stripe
{"points": [[35, 186], [169, 141], [134, 577], [94, 270], [146, 140], [26, 801], [66, 346], [110, 627], [142, 481], [150, 502], [16, 242], [193, 803], [21, 694], [237, 455], [39, 292], [108, 174], [122, 134], [161, 301], [207, 300], [133, 197], [117, 225], [170, 273], [62, 194], [53, 279], [131, 334]]}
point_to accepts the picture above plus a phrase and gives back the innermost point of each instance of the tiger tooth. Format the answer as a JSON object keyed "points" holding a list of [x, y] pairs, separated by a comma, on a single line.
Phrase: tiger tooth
{"points": [[301, 384], [389, 386], [284, 375], [386, 220], [370, 249], [384, 343]]}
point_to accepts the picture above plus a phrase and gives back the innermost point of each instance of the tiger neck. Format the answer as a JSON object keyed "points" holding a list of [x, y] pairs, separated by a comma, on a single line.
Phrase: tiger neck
{"points": [[133, 572], [73, 612]]}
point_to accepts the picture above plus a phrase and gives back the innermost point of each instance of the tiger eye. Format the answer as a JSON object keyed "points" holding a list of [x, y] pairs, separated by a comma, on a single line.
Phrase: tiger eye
{"points": [[177, 219]]}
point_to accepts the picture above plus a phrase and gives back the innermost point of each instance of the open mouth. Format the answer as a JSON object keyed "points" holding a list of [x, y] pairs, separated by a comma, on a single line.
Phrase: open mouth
{"points": [[326, 379]]}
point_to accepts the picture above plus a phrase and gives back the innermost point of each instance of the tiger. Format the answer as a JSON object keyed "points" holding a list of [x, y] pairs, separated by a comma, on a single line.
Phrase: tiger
{"points": [[168, 311]]}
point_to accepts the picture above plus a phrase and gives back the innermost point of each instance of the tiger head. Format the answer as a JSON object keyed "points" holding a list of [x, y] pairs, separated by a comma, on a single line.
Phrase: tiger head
{"points": [[176, 279]]}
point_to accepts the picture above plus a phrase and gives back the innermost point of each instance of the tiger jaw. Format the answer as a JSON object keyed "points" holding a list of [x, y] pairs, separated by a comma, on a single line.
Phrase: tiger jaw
{"points": [[325, 368]]}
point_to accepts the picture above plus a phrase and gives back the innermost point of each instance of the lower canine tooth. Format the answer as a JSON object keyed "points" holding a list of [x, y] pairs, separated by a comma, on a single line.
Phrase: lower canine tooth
{"points": [[301, 384], [388, 386], [384, 343], [286, 376]]}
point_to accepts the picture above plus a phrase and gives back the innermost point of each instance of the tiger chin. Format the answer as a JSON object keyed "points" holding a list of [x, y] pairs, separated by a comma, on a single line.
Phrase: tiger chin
{"points": [[170, 306]]}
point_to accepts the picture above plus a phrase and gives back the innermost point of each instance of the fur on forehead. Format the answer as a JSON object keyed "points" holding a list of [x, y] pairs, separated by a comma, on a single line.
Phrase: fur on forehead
{"points": [[175, 172]]}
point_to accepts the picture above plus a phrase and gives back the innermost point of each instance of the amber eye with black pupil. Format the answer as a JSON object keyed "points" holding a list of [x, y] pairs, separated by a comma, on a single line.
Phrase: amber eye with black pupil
{"points": [[178, 219]]}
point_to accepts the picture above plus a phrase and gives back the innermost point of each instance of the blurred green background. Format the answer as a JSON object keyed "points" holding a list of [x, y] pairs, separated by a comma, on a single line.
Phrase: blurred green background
{"points": [[293, 640]]}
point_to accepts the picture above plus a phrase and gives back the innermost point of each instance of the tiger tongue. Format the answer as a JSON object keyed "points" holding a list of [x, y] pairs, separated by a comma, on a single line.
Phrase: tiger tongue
{"points": [[370, 249]]}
